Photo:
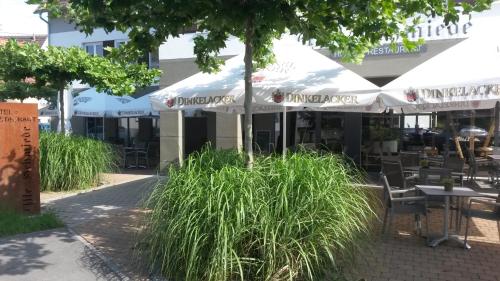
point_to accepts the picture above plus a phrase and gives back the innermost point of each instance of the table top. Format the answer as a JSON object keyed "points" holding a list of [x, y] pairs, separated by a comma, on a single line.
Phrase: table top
{"points": [[438, 190], [417, 168], [494, 156]]}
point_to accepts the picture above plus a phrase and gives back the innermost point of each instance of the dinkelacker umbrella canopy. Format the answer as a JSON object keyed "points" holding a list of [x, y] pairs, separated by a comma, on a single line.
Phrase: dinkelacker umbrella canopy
{"points": [[90, 103], [464, 77], [140, 107], [300, 78]]}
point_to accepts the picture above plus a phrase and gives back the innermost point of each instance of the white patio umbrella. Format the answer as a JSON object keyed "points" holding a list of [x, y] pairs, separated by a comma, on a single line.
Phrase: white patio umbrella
{"points": [[48, 110], [140, 107], [464, 77], [300, 77], [90, 103]]}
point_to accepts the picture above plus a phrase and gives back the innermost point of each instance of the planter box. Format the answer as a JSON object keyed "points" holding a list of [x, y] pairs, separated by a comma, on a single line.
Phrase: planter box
{"points": [[390, 146]]}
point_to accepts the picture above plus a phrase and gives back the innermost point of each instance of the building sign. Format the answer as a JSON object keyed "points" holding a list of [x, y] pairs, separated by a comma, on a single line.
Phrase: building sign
{"points": [[387, 50], [431, 29], [19, 157]]}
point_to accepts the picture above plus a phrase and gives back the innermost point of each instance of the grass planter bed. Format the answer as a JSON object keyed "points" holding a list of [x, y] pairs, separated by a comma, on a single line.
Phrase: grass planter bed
{"points": [[12, 223], [293, 219], [73, 162]]}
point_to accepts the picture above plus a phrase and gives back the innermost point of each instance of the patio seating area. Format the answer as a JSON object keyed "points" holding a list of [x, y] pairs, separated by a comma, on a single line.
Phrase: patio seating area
{"points": [[403, 255]]}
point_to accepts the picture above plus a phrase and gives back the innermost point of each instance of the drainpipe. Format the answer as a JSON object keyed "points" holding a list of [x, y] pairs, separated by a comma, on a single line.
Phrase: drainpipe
{"points": [[48, 25]]}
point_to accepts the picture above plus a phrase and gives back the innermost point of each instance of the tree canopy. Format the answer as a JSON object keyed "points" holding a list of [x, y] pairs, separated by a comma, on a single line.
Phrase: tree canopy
{"points": [[27, 70], [350, 27]]}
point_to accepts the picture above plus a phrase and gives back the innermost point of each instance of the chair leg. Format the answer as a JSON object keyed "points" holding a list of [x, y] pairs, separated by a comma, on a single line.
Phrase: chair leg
{"points": [[385, 220], [498, 228], [466, 231], [418, 224], [427, 227], [459, 223], [389, 226]]}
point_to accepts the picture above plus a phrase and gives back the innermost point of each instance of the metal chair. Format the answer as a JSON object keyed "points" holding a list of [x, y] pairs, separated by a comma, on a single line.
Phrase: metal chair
{"points": [[475, 164], [434, 176], [393, 170], [409, 159], [456, 165], [402, 205], [493, 215], [142, 153]]}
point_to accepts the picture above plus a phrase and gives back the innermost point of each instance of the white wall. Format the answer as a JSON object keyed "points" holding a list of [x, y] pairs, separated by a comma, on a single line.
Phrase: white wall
{"points": [[76, 38]]}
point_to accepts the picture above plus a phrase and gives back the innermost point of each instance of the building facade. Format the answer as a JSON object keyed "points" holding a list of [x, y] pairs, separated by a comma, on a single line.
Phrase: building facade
{"points": [[181, 134]]}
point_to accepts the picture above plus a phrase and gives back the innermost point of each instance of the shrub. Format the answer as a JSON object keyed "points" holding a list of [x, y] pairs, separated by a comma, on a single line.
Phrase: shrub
{"points": [[73, 162], [290, 219]]}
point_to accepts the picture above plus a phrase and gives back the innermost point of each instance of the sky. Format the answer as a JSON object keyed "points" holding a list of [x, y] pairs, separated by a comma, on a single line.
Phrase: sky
{"points": [[17, 18]]}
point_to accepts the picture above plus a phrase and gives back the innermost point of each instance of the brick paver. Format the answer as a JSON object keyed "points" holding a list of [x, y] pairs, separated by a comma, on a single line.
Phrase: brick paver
{"points": [[102, 203], [110, 220], [404, 256]]}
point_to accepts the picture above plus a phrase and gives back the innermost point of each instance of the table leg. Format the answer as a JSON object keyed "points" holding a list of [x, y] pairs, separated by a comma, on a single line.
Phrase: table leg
{"points": [[446, 236]]}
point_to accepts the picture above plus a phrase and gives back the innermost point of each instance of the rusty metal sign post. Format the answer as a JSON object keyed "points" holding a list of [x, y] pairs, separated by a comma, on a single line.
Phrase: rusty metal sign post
{"points": [[19, 157]]}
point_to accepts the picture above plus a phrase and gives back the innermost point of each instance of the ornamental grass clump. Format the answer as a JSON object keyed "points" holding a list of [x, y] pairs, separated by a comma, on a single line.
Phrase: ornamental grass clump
{"points": [[285, 219], [73, 162]]}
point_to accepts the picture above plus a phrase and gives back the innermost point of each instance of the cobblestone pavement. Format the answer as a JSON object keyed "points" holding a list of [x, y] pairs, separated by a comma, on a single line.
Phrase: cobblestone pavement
{"points": [[108, 219], [403, 256], [101, 203]]}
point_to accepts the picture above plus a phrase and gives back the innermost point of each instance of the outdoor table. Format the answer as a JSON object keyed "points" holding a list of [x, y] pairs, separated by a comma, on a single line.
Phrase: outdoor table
{"points": [[494, 157], [436, 190]]}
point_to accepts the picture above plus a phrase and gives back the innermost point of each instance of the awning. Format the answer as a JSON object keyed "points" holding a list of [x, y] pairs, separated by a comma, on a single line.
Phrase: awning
{"points": [[300, 78], [464, 77]]}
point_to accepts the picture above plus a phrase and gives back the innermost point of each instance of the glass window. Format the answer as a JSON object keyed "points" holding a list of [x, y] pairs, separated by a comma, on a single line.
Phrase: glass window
{"points": [[94, 128], [94, 49]]}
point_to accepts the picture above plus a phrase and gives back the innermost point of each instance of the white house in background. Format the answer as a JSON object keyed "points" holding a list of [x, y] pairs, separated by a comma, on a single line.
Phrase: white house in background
{"points": [[343, 130]]}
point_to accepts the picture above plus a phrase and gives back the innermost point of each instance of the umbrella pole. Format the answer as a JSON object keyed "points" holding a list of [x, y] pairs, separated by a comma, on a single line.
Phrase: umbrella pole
{"points": [[128, 131], [103, 136], [497, 123], [284, 132]]}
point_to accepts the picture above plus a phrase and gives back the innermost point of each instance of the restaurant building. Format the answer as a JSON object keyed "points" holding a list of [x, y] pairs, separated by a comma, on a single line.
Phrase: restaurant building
{"points": [[339, 132]]}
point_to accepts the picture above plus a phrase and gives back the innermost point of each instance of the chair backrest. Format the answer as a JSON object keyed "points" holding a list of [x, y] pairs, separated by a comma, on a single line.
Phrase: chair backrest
{"points": [[387, 190], [455, 164], [141, 145], [394, 173], [430, 175], [409, 159]]}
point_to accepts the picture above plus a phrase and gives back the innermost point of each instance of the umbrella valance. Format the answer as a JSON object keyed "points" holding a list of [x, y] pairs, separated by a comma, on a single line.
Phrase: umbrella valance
{"points": [[140, 107]]}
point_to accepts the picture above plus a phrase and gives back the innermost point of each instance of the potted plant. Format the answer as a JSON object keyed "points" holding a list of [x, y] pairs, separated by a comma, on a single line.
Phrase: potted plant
{"points": [[388, 138], [424, 164], [448, 184]]}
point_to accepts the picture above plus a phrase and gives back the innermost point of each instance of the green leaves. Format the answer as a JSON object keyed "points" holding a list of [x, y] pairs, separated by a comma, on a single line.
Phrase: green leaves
{"points": [[347, 26], [54, 68]]}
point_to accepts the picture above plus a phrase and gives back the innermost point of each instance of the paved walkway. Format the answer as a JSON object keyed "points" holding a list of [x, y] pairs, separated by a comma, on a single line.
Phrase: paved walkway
{"points": [[98, 244], [48, 256], [108, 219]]}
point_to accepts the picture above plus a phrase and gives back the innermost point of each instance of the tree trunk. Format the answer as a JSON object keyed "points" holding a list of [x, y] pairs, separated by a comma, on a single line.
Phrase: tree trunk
{"points": [[248, 91], [61, 109]]}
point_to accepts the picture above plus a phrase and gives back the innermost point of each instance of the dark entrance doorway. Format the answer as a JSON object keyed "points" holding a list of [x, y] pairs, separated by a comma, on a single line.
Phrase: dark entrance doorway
{"points": [[195, 133]]}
